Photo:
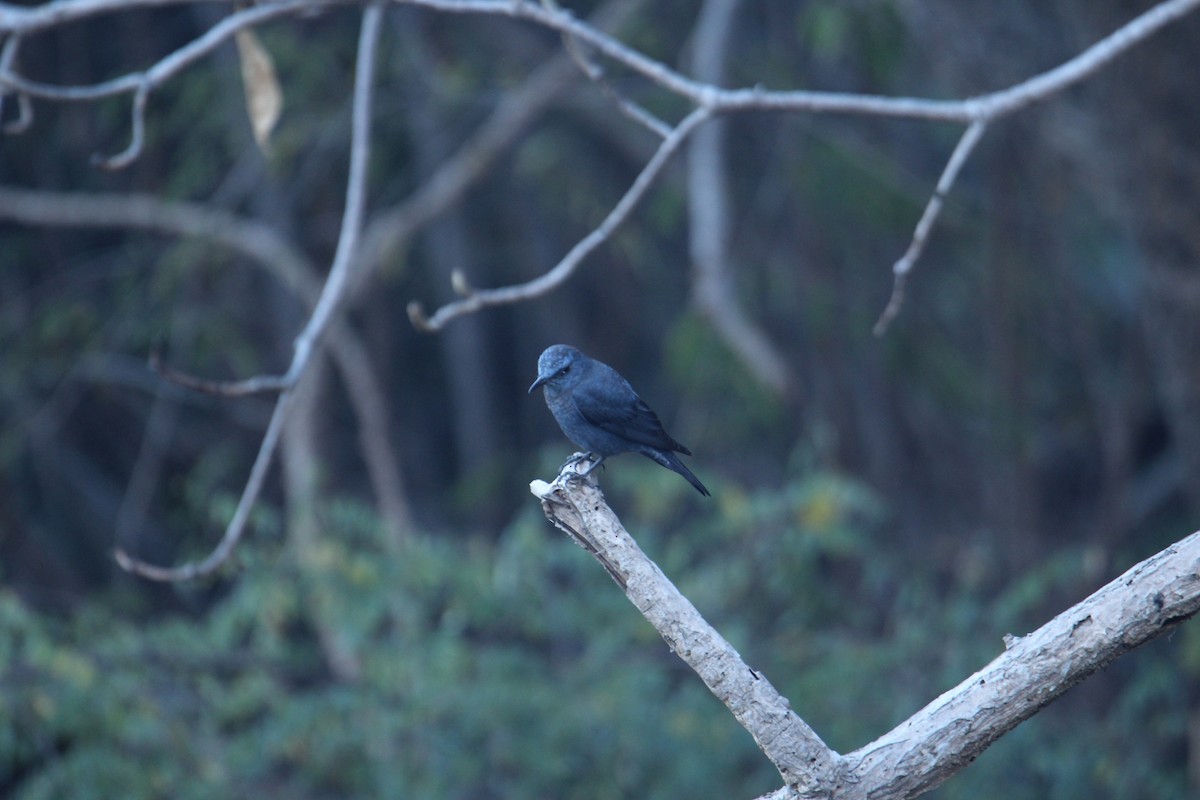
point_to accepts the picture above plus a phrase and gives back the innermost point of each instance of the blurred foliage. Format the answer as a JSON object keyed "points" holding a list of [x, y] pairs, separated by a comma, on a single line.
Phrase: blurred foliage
{"points": [[512, 667]]}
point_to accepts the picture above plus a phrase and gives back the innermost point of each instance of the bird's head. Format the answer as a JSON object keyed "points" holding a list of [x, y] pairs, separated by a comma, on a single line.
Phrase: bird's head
{"points": [[556, 365]]}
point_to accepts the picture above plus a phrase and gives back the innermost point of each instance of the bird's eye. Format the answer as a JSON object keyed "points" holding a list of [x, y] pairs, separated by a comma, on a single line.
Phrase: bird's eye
{"points": [[565, 370]]}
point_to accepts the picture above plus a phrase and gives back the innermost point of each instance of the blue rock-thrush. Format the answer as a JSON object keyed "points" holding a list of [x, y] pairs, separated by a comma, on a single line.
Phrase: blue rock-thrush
{"points": [[598, 410]]}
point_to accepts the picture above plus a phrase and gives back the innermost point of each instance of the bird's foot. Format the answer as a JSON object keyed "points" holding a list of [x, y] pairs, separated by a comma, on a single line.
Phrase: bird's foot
{"points": [[599, 462], [574, 460]]}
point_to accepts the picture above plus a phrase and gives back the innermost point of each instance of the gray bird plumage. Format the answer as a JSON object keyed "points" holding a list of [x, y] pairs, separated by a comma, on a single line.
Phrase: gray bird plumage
{"points": [[598, 410]]}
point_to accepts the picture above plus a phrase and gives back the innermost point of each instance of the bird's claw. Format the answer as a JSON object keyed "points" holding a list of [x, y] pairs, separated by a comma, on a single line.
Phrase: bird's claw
{"points": [[576, 474], [575, 459]]}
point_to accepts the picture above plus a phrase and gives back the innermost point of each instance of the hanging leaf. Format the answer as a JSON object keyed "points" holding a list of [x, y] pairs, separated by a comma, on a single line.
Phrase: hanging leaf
{"points": [[264, 98]]}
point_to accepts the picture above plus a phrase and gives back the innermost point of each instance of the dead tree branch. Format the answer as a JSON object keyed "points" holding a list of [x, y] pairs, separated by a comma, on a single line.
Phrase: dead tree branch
{"points": [[940, 739], [1151, 598], [577, 507]]}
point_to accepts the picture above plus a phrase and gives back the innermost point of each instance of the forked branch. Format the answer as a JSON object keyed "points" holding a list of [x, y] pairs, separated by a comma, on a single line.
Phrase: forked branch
{"points": [[975, 112], [940, 739]]}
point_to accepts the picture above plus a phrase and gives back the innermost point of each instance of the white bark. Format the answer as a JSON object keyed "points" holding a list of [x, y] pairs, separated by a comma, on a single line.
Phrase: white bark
{"points": [[940, 739]]}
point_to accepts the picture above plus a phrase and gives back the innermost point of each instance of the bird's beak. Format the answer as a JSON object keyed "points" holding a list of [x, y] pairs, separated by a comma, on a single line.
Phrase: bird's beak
{"points": [[537, 383]]}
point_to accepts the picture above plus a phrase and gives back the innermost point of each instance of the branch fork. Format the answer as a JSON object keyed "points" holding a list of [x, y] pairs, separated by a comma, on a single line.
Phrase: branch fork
{"points": [[941, 739]]}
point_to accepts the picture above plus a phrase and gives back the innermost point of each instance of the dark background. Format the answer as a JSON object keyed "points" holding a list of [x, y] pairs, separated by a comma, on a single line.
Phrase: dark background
{"points": [[1027, 429]]}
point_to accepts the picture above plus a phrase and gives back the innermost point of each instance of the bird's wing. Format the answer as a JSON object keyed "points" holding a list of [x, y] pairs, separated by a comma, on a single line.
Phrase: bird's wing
{"points": [[613, 406]]}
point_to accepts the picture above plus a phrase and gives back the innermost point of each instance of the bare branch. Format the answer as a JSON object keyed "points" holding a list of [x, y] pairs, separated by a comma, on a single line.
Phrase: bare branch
{"points": [[904, 265], [31, 19], [1149, 599], [331, 296], [1043, 85], [118, 210], [987, 106], [577, 507], [484, 298], [167, 67], [630, 108], [976, 112], [356, 195], [565, 22], [259, 384], [942, 738], [710, 99]]}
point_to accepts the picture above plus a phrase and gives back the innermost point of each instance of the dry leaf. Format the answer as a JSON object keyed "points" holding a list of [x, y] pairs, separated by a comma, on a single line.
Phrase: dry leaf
{"points": [[264, 98]]}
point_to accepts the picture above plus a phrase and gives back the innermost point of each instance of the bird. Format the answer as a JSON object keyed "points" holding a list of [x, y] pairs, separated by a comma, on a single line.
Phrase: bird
{"points": [[599, 411]]}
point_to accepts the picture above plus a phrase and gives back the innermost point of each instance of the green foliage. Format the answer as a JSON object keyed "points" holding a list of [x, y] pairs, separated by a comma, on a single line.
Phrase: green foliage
{"points": [[514, 668], [502, 668]]}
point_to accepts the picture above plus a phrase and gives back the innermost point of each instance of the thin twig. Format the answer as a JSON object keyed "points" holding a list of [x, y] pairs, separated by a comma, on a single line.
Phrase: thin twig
{"points": [[933, 209], [332, 293], [137, 136], [484, 298], [24, 108], [237, 525], [259, 384], [24, 116], [595, 73]]}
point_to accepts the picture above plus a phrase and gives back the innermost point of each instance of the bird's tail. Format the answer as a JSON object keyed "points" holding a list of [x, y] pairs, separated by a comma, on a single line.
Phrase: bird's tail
{"points": [[672, 462]]}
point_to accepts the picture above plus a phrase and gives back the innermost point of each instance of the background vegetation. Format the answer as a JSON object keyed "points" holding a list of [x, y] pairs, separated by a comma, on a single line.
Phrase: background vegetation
{"points": [[1026, 430]]}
